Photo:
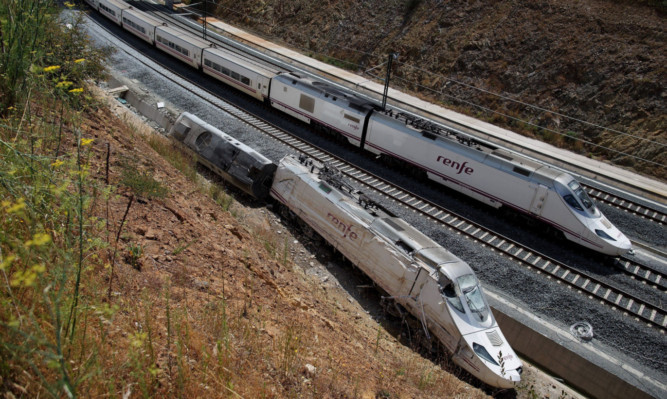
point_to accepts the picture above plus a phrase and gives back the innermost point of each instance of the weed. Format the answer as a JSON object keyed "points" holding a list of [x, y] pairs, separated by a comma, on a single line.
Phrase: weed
{"points": [[143, 184], [134, 253]]}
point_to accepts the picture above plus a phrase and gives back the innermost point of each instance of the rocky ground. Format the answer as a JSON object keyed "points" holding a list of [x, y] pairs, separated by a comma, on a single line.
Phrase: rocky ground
{"points": [[598, 61]]}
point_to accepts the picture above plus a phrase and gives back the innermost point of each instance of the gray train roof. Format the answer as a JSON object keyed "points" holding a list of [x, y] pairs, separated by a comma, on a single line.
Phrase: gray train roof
{"points": [[321, 89]]}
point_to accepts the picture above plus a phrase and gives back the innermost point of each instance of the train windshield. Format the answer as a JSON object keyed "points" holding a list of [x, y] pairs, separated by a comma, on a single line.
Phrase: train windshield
{"points": [[581, 196], [469, 286], [466, 288]]}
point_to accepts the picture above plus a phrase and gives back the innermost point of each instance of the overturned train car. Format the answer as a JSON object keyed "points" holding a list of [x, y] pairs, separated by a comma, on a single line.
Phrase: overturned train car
{"points": [[433, 284], [232, 160]]}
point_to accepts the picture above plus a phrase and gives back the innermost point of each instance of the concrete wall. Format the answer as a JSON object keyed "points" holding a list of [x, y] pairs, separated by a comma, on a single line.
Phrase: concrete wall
{"points": [[561, 362]]}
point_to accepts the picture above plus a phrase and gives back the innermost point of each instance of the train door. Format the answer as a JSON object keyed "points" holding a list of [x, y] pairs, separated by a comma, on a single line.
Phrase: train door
{"points": [[539, 199]]}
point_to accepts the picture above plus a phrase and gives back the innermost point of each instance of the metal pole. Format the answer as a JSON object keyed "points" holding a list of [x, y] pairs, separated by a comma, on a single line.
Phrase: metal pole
{"points": [[392, 56], [205, 1]]}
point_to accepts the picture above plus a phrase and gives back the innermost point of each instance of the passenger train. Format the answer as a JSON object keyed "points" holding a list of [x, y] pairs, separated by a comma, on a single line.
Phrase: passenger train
{"points": [[434, 285], [495, 176]]}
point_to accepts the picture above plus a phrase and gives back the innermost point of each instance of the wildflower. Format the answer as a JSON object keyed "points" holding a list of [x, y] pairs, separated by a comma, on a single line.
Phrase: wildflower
{"points": [[68, 4], [52, 68], [57, 163], [28, 277], [38, 239], [7, 261], [20, 204], [64, 84], [79, 90], [80, 60], [86, 141]]}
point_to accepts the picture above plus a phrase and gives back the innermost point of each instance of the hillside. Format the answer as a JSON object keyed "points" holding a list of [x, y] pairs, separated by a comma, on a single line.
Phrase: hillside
{"points": [[598, 61]]}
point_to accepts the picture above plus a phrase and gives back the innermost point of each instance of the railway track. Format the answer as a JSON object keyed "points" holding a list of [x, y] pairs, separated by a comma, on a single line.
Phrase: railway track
{"points": [[652, 314], [627, 205]]}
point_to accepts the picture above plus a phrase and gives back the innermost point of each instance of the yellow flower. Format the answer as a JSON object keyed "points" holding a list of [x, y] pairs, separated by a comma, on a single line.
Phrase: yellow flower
{"points": [[68, 4], [79, 90], [86, 141], [52, 68], [64, 84], [7, 261], [20, 204], [80, 60], [38, 239], [57, 163]]}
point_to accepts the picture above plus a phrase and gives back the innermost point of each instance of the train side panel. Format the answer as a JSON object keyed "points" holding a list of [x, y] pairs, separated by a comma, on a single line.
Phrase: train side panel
{"points": [[178, 44], [316, 102], [340, 223], [452, 164], [113, 9], [141, 24], [251, 78]]}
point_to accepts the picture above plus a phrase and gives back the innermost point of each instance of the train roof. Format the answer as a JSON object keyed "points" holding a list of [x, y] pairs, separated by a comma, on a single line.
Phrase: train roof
{"points": [[174, 32], [118, 3], [241, 61], [144, 16], [323, 89]]}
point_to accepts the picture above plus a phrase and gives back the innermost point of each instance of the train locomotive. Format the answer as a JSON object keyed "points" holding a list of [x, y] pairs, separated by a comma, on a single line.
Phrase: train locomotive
{"points": [[434, 285], [477, 169], [430, 282]]}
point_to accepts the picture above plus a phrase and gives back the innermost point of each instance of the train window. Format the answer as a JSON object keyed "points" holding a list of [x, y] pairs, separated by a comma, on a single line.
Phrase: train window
{"points": [[307, 103], [325, 188], [469, 286], [203, 140], [236, 76], [207, 62], [352, 118], [521, 171], [452, 298], [579, 192], [569, 198], [224, 71], [245, 80]]}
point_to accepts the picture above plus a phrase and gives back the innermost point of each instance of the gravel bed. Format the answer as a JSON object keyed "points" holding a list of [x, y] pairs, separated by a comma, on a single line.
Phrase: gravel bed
{"points": [[619, 336]]}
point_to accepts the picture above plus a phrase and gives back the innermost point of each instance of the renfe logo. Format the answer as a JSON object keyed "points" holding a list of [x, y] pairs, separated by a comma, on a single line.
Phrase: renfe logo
{"points": [[345, 229], [460, 167]]}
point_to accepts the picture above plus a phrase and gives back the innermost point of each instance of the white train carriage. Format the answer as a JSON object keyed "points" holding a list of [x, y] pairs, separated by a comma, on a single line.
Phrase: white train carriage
{"points": [[181, 45], [112, 9], [498, 177], [434, 285], [320, 103], [241, 73], [141, 24]]}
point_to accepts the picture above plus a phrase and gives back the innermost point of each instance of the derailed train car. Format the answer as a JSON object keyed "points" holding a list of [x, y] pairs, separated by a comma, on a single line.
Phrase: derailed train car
{"points": [[232, 160], [430, 282]]}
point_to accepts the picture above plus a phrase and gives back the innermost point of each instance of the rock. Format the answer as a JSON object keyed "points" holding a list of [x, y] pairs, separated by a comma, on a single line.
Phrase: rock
{"points": [[309, 370], [201, 284]]}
